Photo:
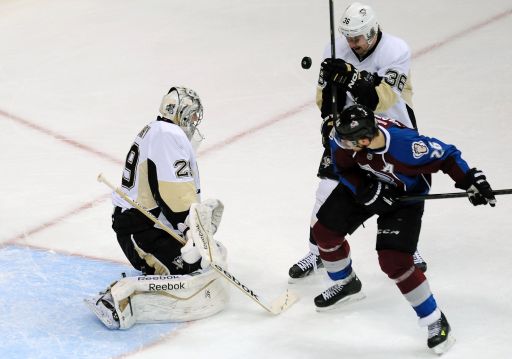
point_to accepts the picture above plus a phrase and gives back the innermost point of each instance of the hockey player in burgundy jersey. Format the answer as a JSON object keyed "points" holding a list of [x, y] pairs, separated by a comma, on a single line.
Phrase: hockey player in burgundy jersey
{"points": [[371, 68], [376, 161]]}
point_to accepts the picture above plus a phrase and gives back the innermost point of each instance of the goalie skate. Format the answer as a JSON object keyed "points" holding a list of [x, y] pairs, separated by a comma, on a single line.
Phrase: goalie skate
{"points": [[102, 306]]}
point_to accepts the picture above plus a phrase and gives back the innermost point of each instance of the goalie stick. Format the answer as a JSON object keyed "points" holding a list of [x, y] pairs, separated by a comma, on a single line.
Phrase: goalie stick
{"points": [[141, 208], [276, 307]]}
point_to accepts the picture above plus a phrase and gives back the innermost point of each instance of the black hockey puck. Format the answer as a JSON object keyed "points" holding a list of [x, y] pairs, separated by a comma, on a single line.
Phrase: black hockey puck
{"points": [[306, 62]]}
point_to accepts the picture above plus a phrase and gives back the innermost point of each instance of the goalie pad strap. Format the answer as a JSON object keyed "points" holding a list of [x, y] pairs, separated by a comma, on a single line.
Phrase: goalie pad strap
{"points": [[151, 260]]}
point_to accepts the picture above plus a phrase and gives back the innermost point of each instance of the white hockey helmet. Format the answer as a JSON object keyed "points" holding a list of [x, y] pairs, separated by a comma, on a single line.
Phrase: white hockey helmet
{"points": [[359, 19], [183, 107]]}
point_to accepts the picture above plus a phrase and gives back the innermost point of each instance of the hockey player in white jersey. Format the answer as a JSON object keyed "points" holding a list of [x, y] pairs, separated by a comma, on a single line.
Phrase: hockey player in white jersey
{"points": [[371, 68], [161, 174]]}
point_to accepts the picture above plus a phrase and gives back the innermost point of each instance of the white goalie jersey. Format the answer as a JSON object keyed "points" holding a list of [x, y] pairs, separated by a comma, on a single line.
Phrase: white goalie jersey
{"points": [[161, 171]]}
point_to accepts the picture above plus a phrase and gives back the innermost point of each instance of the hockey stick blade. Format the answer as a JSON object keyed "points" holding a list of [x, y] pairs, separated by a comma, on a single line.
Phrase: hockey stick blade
{"points": [[448, 195], [282, 303]]}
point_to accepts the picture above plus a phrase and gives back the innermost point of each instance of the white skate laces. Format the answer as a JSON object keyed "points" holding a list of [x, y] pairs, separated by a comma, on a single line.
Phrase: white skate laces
{"points": [[308, 262], [434, 328], [332, 291]]}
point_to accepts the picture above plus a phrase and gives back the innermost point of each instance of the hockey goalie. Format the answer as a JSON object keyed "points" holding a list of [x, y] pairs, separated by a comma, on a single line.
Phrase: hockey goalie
{"points": [[161, 175], [172, 298]]}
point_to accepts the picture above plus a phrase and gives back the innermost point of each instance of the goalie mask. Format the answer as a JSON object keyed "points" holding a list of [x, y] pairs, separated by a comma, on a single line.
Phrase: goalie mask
{"points": [[359, 19], [183, 107]]}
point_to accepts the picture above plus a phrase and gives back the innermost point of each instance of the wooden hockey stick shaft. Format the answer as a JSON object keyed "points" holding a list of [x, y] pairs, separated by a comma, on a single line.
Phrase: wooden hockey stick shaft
{"points": [[279, 305], [141, 208], [448, 195]]}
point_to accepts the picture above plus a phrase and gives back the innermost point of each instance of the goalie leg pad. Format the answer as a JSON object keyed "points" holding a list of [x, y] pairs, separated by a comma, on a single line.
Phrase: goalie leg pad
{"points": [[158, 308], [158, 299]]}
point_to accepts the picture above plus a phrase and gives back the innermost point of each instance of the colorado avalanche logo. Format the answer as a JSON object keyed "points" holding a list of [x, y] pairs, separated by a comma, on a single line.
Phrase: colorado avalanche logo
{"points": [[419, 149]]}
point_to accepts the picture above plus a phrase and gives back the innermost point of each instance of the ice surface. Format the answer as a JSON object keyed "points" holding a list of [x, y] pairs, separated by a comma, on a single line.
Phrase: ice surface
{"points": [[80, 78]]}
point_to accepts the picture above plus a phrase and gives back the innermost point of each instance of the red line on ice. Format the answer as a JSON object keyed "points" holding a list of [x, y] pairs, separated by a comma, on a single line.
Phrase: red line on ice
{"points": [[218, 146]]}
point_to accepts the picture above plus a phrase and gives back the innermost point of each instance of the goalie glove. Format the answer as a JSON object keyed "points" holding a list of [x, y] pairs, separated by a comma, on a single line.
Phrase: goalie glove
{"points": [[200, 225], [478, 189], [217, 209]]}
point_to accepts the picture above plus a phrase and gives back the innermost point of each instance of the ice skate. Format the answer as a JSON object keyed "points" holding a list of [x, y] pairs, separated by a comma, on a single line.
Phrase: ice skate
{"points": [[440, 339], [304, 267], [102, 305], [339, 294]]}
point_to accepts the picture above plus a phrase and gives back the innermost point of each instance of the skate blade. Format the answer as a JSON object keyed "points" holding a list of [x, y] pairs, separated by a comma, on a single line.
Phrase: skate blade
{"points": [[444, 346], [301, 280], [348, 299], [105, 319], [310, 277]]}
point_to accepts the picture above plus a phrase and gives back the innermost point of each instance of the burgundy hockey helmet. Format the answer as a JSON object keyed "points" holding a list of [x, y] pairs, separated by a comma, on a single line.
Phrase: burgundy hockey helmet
{"points": [[356, 122]]}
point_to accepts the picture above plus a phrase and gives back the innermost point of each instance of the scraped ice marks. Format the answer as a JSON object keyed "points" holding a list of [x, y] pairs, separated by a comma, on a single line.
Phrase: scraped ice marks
{"points": [[42, 310]]}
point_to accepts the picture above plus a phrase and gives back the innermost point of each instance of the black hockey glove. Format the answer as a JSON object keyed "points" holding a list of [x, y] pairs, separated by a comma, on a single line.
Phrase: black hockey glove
{"points": [[339, 72], [364, 89], [478, 189], [323, 76], [378, 197]]}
